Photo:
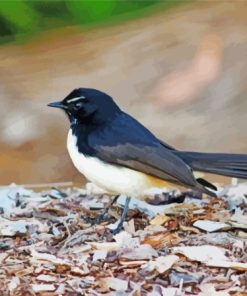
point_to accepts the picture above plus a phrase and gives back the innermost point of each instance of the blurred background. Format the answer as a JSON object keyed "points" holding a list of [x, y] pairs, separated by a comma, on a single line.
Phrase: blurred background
{"points": [[180, 67]]}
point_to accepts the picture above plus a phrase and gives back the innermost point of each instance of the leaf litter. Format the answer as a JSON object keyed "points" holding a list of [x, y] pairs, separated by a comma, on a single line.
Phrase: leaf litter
{"points": [[48, 245]]}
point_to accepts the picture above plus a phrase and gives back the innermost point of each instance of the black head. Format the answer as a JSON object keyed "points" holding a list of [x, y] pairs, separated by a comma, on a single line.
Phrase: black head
{"points": [[87, 105]]}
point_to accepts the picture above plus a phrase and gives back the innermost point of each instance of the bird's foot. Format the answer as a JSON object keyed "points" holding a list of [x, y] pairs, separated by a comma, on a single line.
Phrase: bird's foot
{"points": [[123, 216], [100, 218], [103, 216], [97, 220], [118, 229]]}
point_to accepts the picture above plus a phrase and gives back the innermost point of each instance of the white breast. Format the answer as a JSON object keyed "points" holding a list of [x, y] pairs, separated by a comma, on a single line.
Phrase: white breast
{"points": [[114, 179]]}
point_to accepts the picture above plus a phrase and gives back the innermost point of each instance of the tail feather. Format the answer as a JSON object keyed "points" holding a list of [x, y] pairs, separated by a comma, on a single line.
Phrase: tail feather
{"points": [[231, 165]]}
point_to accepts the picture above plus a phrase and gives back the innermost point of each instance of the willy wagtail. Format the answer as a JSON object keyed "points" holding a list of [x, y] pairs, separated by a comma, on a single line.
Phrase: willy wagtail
{"points": [[117, 153]]}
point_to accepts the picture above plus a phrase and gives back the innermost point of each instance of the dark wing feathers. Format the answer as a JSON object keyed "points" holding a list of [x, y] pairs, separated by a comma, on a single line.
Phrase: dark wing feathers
{"points": [[153, 160], [231, 165], [127, 143]]}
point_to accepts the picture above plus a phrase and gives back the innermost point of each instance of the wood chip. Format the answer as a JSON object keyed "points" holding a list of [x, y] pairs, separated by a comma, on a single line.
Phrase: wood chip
{"points": [[116, 284], [43, 288], [160, 220], [46, 278], [211, 226], [162, 263]]}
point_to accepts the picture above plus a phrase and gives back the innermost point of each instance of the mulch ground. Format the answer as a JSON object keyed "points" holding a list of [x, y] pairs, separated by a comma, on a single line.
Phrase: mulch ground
{"points": [[181, 244]]}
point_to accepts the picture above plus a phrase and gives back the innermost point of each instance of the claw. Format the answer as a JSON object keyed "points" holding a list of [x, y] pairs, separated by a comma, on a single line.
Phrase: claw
{"points": [[102, 217], [122, 220]]}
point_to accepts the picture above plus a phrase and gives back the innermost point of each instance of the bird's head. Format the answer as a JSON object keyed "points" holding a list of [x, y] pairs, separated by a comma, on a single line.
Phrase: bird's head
{"points": [[87, 105]]}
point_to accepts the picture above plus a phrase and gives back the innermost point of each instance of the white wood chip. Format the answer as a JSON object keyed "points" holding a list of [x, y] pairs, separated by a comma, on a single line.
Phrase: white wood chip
{"points": [[116, 284], [99, 255], [11, 228], [46, 278], [14, 283], [162, 263], [43, 288], [48, 257], [142, 252], [211, 226], [228, 264], [210, 255], [202, 253]]}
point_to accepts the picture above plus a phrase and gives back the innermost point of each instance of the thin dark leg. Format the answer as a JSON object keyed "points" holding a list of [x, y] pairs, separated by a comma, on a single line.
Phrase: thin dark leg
{"points": [[101, 217], [125, 210]]}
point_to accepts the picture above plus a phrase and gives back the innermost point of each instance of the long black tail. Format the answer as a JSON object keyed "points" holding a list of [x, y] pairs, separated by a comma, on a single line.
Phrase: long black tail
{"points": [[231, 165]]}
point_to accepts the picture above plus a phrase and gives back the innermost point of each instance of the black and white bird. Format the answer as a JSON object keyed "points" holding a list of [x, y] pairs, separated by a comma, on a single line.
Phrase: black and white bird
{"points": [[117, 153]]}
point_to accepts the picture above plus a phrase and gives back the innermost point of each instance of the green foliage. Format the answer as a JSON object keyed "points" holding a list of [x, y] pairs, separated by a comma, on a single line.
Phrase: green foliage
{"points": [[90, 11], [19, 15], [20, 18]]}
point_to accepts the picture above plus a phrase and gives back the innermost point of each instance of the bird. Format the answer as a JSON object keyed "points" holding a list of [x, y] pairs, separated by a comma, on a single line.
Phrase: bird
{"points": [[120, 155]]}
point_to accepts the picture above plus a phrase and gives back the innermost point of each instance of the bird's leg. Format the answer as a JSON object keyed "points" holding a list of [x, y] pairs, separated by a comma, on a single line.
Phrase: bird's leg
{"points": [[123, 216], [101, 216]]}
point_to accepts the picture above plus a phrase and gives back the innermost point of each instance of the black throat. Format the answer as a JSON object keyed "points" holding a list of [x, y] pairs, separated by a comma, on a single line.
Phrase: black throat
{"points": [[82, 132], [89, 130]]}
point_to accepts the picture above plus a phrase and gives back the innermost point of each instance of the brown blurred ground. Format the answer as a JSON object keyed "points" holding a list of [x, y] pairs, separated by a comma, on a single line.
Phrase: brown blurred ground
{"points": [[182, 73]]}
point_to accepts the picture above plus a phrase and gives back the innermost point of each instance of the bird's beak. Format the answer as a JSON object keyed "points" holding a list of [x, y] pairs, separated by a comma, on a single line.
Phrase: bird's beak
{"points": [[56, 105]]}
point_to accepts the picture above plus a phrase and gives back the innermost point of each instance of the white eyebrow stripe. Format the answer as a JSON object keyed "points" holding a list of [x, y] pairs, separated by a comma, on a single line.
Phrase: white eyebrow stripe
{"points": [[76, 99]]}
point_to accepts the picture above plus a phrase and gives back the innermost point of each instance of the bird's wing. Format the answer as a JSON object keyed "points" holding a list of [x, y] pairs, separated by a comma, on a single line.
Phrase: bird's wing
{"points": [[155, 161], [127, 143]]}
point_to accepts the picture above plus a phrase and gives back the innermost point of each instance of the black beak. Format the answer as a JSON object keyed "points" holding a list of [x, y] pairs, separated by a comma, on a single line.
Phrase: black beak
{"points": [[56, 105]]}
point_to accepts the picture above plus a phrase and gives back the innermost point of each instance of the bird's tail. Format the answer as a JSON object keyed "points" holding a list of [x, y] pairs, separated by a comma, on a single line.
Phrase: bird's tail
{"points": [[231, 165]]}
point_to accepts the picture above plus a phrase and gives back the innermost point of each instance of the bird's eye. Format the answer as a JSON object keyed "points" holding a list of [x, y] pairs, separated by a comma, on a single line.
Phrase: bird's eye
{"points": [[78, 104]]}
